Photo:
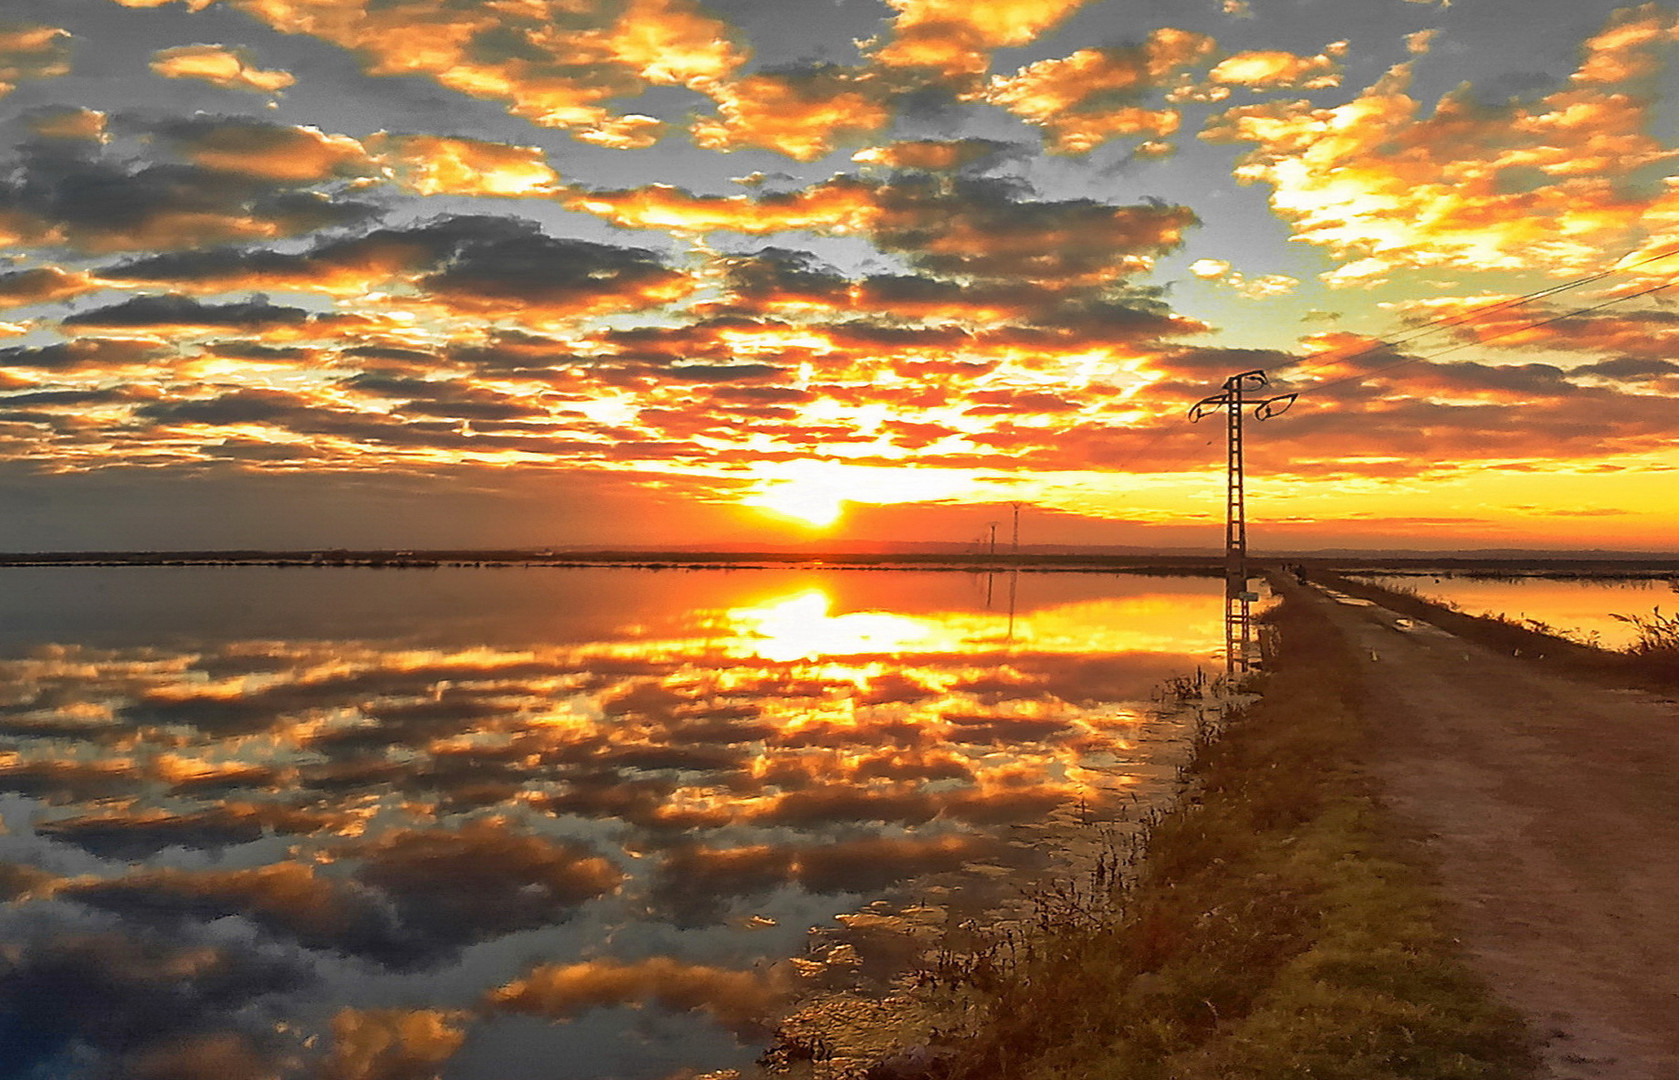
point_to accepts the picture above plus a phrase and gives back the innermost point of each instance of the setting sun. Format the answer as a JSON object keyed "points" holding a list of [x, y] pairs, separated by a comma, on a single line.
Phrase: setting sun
{"points": [[807, 501]]}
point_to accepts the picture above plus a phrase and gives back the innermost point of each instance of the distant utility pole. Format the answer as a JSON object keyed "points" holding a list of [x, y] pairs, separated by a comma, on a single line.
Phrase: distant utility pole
{"points": [[993, 525], [1238, 611], [1016, 528]]}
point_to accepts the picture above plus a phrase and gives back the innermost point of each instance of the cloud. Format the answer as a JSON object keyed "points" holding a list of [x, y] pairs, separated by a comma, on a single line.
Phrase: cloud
{"points": [[1278, 70], [68, 123], [229, 68], [803, 112], [554, 64], [69, 781], [440, 165], [483, 880], [744, 1001], [339, 265], [1259, 288], [32, 52], [221, 1055], [172, 312], [392, 1044], [956, 38], [971, 227], [1421, 41], [541, 277], [694, 883], [472, 265], [41, 285], [248, 181], [1648, 334], [1549, 183], [70, 991], [276, 153], [1094, 95], [839, 205], [287, 898], [132, 835], [985, 228], [935, 155]]}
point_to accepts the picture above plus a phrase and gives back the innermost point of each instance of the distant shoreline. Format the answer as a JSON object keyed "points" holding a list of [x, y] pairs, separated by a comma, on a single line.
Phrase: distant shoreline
{"points": [[671, 560], [1536, 564]]}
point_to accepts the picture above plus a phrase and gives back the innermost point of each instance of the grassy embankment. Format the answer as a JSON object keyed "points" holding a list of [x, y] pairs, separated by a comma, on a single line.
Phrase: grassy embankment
{"points": [[1279, 926]]}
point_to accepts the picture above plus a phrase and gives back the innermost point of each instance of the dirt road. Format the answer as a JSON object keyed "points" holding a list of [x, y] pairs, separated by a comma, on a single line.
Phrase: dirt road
{"points": [[1552, 809]]}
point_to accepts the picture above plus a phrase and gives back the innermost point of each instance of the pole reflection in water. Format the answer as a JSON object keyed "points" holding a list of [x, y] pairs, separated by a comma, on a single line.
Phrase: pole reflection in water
{"points": [[522, 823]]}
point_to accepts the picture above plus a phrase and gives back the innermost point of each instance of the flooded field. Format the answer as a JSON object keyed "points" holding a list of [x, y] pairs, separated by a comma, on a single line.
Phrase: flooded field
{"points": [[557, 823], [1581, 608]]}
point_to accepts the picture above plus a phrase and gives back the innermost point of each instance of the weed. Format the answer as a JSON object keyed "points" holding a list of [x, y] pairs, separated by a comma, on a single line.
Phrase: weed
{"points": [[1657, 633]]}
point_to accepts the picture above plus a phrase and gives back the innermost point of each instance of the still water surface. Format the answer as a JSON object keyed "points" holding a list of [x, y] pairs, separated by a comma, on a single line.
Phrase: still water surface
{"points": [[1583, 608], [519, 823]]}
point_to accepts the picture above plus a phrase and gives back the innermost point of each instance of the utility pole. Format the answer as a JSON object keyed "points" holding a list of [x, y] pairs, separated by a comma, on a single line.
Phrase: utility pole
{"points": [[1016, 548], [1238, 610], [993, 551]]}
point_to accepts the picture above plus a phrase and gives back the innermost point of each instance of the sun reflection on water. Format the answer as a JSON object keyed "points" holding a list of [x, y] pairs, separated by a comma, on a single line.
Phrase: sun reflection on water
{"points": [[632, 817], [800, 627]]}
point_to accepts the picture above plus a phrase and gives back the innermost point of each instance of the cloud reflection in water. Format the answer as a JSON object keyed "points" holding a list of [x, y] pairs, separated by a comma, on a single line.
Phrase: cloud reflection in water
{"points": [[349, 854]]}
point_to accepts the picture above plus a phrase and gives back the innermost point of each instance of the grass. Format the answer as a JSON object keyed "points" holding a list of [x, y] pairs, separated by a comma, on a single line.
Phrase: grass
{"points": [[1277, 927], [1658, 637]]}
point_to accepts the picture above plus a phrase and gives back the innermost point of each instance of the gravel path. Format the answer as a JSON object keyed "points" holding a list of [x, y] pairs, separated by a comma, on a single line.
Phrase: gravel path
{"points": [[1552, 810]]}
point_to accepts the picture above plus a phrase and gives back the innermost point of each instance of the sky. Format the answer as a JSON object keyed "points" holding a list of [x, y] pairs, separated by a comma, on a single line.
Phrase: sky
{"points": [[436, 273]]}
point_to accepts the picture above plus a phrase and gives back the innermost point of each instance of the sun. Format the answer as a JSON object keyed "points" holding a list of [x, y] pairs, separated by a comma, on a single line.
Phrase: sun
{"points": [[810, 501]]}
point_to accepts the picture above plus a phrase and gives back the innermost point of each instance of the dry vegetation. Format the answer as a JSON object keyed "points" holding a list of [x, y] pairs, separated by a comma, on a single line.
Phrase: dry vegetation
{"points": [[1278, 927]]}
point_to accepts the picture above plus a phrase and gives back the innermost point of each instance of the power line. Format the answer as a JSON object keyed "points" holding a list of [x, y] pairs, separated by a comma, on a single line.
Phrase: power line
{"points": [[1446, 323], [1361, 376], [1300, 366]]}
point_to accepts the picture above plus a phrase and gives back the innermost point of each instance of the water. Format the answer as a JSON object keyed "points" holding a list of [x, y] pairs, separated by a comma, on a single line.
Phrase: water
{"points": [[1582, 608], [520, 823]]}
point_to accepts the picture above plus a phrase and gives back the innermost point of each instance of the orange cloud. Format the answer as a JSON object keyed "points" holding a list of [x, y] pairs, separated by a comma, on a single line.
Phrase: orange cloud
{"points": [[69, 123], [742, 1000], [631, 131], [1550, 183], [841, 205], [1625, 332], [1625, 49], [1277, 70], [975, 227], [384, 1044], [1093, 95], [957, 37], [272, 152], [441, 165], [933, 155], [554, 63], [673, 43], [42, 285], [32, 52], [804, 114], [228, 68]]}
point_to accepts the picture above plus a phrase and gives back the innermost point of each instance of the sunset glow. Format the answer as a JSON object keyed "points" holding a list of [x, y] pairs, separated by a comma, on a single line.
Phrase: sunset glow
{"points": [[662, 278], [808, 501]]}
